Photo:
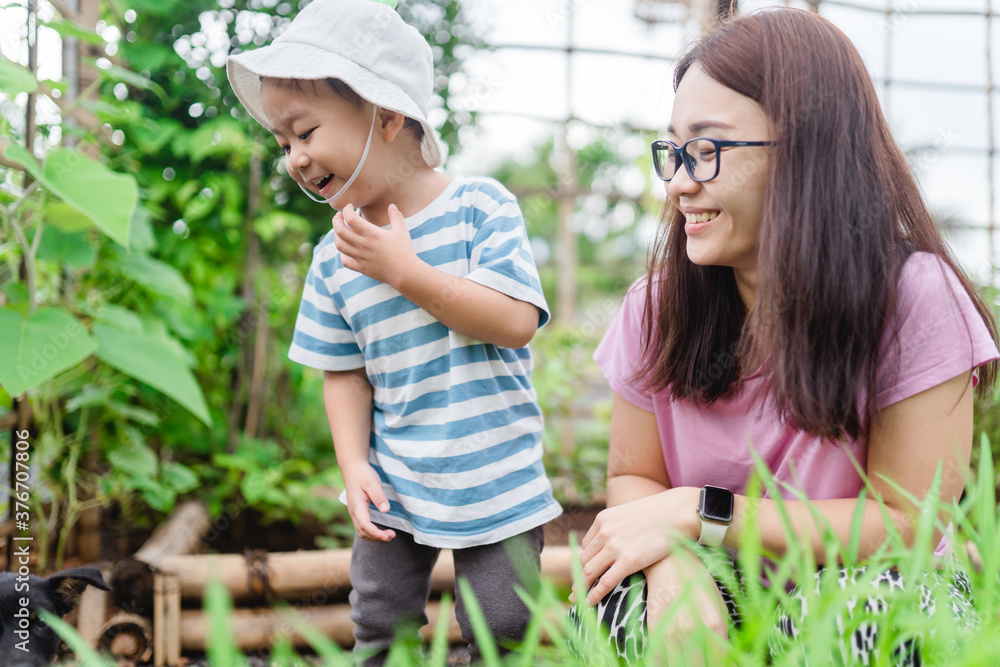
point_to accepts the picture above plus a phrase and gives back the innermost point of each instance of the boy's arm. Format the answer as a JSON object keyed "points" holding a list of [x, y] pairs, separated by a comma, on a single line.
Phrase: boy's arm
{"points": [[347, 396], [462, 305]]}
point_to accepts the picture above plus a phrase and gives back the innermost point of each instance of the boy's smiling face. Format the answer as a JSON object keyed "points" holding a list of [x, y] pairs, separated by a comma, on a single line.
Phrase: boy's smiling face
{"points": [[322, 135]]}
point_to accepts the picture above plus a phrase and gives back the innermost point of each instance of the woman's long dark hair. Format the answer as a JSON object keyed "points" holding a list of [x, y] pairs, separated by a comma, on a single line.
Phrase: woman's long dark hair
{"points": [[841, 215]]}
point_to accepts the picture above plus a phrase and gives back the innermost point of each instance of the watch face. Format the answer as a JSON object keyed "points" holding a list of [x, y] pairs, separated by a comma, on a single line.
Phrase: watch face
{"points": [[716, 504]]}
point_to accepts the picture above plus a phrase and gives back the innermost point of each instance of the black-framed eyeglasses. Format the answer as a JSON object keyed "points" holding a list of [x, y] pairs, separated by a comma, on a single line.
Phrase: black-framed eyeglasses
{"points": [[701, 157]]}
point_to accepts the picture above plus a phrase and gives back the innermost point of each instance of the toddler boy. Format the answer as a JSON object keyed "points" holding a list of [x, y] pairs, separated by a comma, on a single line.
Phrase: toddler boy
{"points": [[418, 306]]}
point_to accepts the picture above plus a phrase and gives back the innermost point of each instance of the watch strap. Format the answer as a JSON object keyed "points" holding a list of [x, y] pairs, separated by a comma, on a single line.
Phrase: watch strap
{"points": [[712, 534]]}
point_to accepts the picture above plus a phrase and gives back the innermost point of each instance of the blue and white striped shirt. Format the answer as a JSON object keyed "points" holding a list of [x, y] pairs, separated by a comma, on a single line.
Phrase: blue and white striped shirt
{"points": [[456, 428]]}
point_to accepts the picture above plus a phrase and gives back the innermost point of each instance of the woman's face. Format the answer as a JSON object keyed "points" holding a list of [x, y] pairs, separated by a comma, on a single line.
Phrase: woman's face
{"points": [[723, 216]]}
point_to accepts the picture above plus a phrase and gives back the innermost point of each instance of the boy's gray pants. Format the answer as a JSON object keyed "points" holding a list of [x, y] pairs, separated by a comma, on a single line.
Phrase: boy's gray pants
{"points": [[391, 584]]}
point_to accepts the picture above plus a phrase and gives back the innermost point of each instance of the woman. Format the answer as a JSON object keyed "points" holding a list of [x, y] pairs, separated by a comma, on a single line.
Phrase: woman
{"points": [[800, 302]]}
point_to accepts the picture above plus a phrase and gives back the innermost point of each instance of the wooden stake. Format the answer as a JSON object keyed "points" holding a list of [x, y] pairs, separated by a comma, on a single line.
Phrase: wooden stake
{"points": [[172, 619], [159, 636], [91, 615]]}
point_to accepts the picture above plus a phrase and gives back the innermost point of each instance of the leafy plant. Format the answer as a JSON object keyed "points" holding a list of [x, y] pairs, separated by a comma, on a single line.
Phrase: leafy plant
{"points": [[69, 350]]}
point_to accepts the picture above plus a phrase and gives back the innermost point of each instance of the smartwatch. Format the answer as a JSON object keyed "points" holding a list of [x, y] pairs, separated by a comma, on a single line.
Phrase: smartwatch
{"points": [[715, 509]]}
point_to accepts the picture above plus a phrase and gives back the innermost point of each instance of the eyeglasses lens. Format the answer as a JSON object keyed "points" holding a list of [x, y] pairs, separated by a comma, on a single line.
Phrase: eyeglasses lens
{"points": [[702, 155]]}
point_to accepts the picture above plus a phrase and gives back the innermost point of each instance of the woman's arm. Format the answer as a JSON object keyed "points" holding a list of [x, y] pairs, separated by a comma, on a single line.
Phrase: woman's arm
{"points": [[637, 477], [635, 457], [906, 444], [636, 529]]}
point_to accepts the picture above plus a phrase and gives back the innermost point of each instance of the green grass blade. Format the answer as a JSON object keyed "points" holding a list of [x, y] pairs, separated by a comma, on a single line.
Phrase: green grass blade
{"points": [[222, 648], [439, 644], [331, 653], [86, 656], [484, 639]]}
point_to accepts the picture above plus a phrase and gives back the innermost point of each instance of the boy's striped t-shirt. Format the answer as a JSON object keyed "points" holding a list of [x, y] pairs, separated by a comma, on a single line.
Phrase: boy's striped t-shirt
{"points": [[456, 427]]}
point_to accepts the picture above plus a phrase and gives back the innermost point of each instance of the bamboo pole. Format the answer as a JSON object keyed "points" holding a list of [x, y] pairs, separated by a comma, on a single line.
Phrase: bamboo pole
{"points": [[257, 628], [181, 534], [159, 636], [317, 576], [127, 637], [91, 614], [172, 620]]}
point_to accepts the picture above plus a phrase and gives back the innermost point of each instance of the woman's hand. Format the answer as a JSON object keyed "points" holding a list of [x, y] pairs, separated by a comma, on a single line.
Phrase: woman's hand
{"points": [[630, 537]]}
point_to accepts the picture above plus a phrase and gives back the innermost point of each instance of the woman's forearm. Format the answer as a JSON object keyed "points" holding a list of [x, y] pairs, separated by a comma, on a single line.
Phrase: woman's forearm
{"points": [[809, 521], [626, 488]]}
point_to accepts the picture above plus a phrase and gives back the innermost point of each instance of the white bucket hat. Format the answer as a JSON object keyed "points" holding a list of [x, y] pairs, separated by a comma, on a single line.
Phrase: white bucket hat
{"points": [[363, 43]]}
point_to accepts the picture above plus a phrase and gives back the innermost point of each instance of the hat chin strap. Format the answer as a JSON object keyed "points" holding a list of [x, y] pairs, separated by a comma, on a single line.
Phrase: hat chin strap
{"points": [[357, 170]]}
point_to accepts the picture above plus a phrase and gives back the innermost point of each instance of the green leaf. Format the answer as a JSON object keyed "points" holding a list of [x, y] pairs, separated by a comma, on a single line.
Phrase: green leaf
{"points": [[15, 79], [158, 496], [74, 250], [178, 477], [134, 458], [120, 317], [151, 360], [71, 30], [39, 347], [104, 196], [279, 224], [17, 297], [158, 277], [220, 136], [133, 413], [88, 397], [150, 56], [255, 486], [117, 73], [65, 218], [141, 237]]}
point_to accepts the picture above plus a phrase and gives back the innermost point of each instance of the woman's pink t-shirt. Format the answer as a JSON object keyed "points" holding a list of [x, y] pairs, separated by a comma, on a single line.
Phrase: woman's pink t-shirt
{"points": [[940, 336]]}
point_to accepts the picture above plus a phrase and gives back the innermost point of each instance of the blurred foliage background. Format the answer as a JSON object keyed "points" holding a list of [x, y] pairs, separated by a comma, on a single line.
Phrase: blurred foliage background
{"points": [[156, 332]]}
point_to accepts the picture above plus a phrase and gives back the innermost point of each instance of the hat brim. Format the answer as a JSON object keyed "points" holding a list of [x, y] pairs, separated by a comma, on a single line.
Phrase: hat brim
{"points": [[295, 60]]}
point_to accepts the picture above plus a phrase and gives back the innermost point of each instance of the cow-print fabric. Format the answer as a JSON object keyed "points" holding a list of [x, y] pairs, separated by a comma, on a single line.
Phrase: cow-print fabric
{"points": [[858, 624], [623, 613]]}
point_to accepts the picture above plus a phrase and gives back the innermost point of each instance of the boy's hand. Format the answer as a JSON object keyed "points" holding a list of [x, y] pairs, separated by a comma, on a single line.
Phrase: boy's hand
{"points": [[363, 486], [383, 254]]}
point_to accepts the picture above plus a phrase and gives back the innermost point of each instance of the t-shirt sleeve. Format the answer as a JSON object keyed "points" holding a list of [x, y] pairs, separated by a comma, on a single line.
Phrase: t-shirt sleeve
{"points": [[619, 353], [323, 339], [501, 257], [936, 335]]}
